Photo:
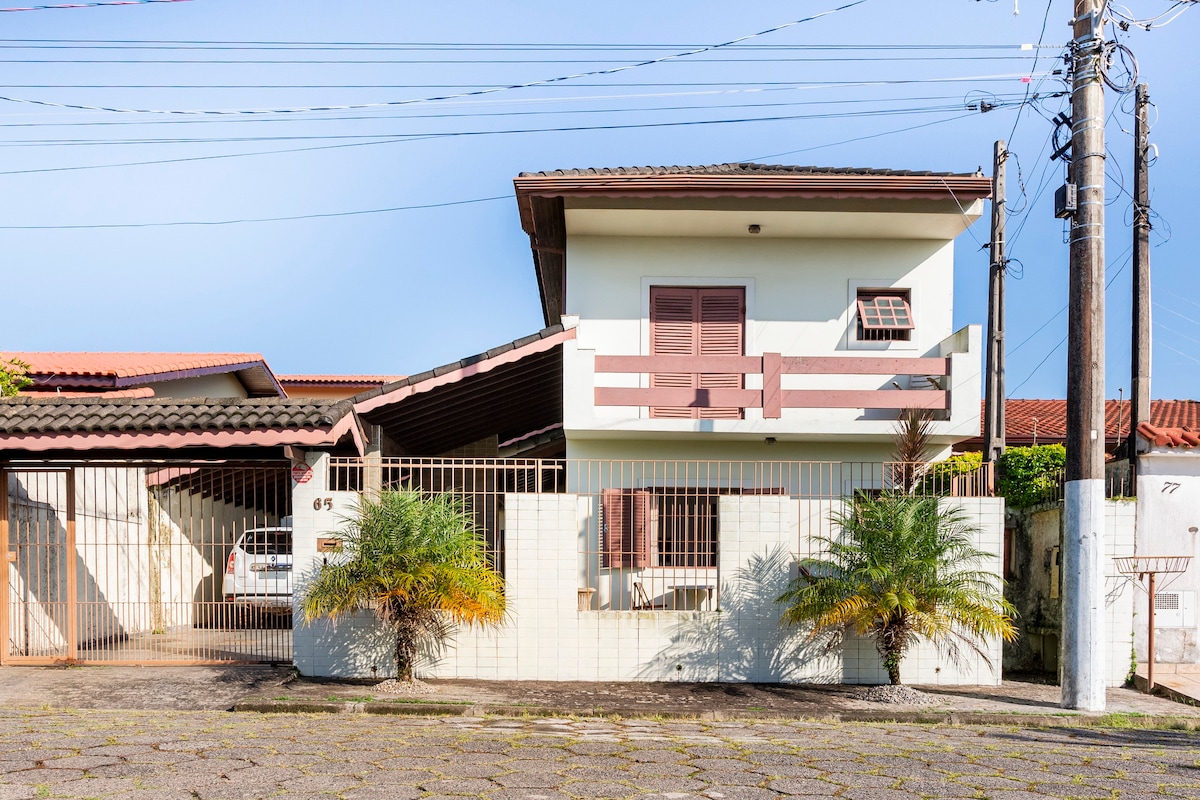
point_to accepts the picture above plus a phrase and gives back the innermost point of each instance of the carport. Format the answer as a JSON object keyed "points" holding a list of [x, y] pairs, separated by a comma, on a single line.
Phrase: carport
{"points": [[119, 516]]}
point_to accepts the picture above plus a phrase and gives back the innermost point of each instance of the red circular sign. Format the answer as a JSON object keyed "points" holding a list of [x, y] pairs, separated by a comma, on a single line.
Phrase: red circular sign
{"points": [[301, 473]]}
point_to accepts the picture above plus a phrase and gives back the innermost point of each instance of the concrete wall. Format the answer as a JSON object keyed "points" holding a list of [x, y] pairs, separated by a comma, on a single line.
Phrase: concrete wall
{"points": [[1035, 588], [547, 637], [1168, 523], [800, 300]]}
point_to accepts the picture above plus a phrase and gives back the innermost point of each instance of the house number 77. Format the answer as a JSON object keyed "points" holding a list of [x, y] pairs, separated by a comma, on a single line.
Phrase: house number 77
{"points": [[323, 503], [1169, 487]]}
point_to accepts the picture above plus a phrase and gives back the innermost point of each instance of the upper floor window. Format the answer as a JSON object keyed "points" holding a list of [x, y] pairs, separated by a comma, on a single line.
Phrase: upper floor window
{"points": [[884, 315], [694, 323]]}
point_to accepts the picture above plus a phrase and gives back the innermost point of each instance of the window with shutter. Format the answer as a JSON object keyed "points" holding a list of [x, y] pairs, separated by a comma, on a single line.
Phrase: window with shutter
{"points": [[625, 540], [884, 315], [688, 321]]}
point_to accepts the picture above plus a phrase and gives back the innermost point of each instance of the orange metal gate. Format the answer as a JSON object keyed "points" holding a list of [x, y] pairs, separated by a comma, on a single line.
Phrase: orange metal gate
{"points": [[131, 564]]}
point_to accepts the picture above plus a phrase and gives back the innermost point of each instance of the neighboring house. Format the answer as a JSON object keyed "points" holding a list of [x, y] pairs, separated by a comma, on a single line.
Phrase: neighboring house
{"points": [[114, 375], [1168, 524], [1033, 422], [727, 352], [332, 387]]}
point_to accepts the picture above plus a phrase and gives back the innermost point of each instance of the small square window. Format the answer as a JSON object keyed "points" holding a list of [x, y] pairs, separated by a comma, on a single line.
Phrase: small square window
{"points": [[884, 316]]}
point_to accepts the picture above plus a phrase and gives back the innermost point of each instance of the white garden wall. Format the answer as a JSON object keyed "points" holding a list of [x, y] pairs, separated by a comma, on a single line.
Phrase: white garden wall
{"points": [[548, 638]]}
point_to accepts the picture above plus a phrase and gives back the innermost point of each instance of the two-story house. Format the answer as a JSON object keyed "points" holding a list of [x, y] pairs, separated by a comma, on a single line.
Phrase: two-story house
{"points": [[728, 350]]}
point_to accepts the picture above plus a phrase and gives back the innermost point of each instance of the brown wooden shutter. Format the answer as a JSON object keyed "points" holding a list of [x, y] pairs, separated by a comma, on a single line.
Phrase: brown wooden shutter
{"points": [[673, 323], [695, 322], [624, 532], [722, 328]]}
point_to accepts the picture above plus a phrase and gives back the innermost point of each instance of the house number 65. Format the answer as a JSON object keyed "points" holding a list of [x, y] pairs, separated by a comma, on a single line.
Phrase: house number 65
{"points": [[323, 503]]}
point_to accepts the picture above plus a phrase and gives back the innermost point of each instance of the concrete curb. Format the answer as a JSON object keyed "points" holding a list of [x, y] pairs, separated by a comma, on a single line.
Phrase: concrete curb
{"points": [[465, 709]]}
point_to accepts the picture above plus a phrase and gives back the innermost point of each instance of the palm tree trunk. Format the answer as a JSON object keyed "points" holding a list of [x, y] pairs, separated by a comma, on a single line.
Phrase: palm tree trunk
{"points": [[405, 652]]}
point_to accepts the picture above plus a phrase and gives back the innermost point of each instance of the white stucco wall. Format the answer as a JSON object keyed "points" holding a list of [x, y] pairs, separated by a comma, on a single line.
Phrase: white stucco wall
{"points": [[1168, 524], [547, 637], [800, 301], [223, 384]]}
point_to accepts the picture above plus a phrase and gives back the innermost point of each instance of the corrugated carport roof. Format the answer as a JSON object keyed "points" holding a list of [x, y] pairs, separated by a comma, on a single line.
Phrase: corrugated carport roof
{"points": [[507, 391]]}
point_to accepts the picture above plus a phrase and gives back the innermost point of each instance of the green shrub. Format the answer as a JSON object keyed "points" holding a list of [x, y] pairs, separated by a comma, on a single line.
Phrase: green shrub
{"points": [[940, 478], [1031, 475]]}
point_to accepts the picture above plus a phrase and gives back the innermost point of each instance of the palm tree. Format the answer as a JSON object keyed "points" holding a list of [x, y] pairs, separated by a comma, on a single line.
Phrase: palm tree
{"points": [[903, 569], [417, 562]]}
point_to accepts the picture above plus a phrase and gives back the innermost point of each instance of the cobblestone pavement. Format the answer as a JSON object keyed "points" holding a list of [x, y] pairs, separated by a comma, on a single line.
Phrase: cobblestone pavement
{"points": [[214, 755]]}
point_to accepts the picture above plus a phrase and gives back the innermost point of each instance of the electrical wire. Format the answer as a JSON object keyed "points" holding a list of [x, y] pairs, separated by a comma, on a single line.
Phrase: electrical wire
{"points": [[999, 101], [393, 209], [217, 44], [526, 85], [259, 219], [354, 106], [410, 138], [62, 6], [443, 134]]}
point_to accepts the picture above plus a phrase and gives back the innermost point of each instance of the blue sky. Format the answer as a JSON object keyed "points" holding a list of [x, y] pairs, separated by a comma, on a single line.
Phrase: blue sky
{"points": [[399, 292]]}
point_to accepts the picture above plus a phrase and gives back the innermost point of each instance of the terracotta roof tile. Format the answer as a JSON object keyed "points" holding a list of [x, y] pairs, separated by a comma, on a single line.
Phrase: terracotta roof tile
{"points": [[1169, 436], [126, 365], [103, 371], [1047, 419], [31, 416], [744, 168], [140, 391]]}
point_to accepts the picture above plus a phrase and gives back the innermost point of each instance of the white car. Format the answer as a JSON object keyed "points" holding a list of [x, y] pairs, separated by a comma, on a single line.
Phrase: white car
{"points": [[258, 573]]}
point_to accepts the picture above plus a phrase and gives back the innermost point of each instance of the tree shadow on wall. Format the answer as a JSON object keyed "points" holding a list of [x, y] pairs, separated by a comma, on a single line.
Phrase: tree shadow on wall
{"points": [[744, 642]]}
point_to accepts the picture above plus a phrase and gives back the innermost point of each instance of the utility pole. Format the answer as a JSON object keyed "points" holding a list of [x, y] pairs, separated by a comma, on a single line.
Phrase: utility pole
{"points": [[993, 401], [1139, 387], [1083, 640]]}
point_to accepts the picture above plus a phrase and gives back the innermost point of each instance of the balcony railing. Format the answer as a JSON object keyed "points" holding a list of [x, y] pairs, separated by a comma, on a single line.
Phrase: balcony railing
{"points": [[926, 378]]}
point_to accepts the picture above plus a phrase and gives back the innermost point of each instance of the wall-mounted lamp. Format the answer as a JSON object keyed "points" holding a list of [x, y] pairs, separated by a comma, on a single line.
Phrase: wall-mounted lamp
{"points": [[754, 229], [770, 440]]}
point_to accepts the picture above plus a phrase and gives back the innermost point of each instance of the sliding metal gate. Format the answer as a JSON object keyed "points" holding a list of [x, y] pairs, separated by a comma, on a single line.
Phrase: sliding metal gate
{"points": [[126, 564]]}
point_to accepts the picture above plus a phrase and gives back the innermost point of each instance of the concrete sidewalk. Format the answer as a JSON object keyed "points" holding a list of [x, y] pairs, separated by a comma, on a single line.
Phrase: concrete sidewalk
{"points": [[277, 689]]}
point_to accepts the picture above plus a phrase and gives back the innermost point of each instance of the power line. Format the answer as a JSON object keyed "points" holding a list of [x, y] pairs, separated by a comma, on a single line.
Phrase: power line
{"points": [[410, 138], [797, 85], [342, 62], [442, 134], [218, 44], [530, 84], [259, 219], [1000, 99], [62, 6], [397, 208]]}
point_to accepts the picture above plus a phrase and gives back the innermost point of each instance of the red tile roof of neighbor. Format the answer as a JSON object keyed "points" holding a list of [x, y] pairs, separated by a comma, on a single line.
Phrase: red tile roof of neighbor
{"points": [[106, 371], [126, 365], [1047, 419], [1169, 436], [139, 391]]}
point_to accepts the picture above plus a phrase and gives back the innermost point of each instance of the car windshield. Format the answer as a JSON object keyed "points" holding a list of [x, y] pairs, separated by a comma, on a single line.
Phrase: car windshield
{"points": [[268, 543]]}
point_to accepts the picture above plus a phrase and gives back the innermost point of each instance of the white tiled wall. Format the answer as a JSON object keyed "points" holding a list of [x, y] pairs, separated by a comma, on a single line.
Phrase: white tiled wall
{"points": [[1120, 592], [546, 637]]}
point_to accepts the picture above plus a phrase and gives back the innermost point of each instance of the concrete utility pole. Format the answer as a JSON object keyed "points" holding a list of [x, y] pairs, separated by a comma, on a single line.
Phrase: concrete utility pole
{"points": [[1139, 387], [1083, 641], [993, 402]]}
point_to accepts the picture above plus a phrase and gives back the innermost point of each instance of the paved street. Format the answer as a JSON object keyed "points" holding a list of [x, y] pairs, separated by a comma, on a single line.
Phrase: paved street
{"points": [[211, 755]]}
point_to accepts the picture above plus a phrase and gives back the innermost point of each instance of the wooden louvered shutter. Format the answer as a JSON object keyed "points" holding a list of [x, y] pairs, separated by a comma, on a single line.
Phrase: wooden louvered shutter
{"points": [[674, 317], [721, 332], [624, 529]]}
